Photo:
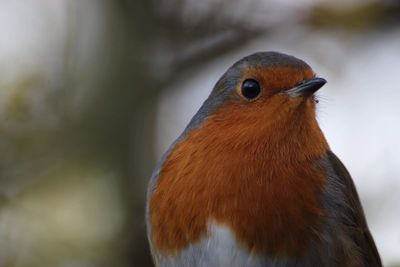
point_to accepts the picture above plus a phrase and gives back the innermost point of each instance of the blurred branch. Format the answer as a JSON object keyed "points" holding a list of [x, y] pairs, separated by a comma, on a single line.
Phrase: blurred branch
{"points": [[361, 17]]}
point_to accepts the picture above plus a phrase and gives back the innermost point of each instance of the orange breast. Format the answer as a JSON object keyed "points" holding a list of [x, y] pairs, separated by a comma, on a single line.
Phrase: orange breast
{"points": [[258, 178]]}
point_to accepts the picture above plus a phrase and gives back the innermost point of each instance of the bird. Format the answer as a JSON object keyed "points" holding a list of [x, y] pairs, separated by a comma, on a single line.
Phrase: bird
{"points": [[252, 181]]}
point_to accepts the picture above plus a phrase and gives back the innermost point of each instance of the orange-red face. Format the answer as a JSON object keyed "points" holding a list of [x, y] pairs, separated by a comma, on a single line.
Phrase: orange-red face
{"points": [[263, 95]]}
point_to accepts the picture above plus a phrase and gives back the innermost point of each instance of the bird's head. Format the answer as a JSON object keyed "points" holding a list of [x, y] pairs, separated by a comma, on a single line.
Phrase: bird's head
{"points": [[266, 82], [263, 95]]}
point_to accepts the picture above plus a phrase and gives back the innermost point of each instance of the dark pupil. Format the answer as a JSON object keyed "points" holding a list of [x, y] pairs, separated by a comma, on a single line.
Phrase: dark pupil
{"points": [[250, 89]]}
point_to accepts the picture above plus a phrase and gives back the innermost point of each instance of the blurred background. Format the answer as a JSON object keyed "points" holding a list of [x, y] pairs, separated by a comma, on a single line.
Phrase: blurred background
{"points": [[93, 92]]}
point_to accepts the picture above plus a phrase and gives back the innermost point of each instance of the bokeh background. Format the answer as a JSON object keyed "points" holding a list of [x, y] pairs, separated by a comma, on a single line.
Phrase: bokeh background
{"points": [[93, 92]]}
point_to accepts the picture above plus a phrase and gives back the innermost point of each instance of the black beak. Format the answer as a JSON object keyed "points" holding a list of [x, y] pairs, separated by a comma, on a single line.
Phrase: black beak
{"points": [[306, 87]]}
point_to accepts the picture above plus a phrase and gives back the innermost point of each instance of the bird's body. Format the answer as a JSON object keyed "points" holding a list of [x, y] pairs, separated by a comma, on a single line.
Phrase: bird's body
{"points": [[252, 182]]}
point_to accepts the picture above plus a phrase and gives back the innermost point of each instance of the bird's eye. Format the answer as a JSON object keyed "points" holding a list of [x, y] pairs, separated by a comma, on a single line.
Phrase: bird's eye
{"points": [[250, 89]]}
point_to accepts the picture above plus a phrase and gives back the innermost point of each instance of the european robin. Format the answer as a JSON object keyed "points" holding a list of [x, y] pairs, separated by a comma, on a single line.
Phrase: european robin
{"points": [[251, 181]]}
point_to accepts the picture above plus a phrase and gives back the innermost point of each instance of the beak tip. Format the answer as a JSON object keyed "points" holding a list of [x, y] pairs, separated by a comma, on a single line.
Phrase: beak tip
{"points": [[322, 81]]}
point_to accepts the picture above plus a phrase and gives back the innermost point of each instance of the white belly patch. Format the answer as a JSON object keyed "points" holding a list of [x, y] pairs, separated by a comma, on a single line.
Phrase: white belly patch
{"points": [[218, 249]]}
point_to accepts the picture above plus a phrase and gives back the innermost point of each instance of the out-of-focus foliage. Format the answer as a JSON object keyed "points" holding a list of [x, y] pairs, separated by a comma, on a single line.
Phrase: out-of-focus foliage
{"points": [[79, 88]]}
